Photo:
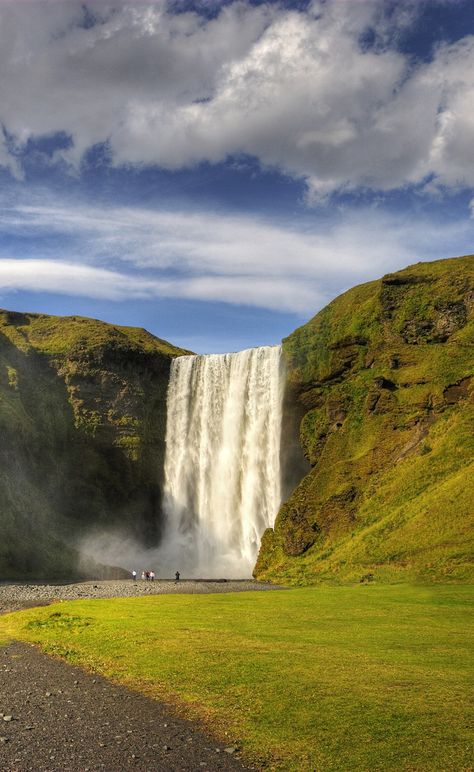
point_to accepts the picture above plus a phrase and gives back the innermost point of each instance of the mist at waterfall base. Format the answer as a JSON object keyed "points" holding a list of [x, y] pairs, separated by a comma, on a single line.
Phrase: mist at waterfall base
{"points": [[222, 472]]}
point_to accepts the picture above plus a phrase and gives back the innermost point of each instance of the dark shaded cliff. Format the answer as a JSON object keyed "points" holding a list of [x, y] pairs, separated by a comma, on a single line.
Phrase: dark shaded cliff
{"points": [[82, 426], [384, 375]]}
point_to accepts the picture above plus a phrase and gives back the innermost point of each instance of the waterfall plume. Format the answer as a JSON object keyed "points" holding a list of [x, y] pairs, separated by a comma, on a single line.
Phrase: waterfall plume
{"points": [[222, 466]]}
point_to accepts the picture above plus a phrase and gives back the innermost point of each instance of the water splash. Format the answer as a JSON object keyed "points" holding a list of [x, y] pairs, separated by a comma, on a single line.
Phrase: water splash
{"points": [[222, 466]]}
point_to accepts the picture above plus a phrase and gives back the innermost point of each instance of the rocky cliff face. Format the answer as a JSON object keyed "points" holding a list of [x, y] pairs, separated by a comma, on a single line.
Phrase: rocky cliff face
{"points": [[384, 376], [82, 422]]}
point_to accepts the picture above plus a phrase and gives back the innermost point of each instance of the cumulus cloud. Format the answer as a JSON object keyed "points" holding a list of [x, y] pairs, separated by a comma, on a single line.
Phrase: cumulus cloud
{"points": [[123, 252], [296, 89]]}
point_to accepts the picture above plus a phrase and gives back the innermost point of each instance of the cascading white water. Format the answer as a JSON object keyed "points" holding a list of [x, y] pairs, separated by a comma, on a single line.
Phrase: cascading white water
{"points": [[222, 465]]}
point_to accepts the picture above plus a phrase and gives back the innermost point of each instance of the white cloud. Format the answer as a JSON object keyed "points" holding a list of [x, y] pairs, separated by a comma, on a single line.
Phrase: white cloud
{"points": [[206, 244], [39, 275], [60, 277], [118, 253], [294, 89]]}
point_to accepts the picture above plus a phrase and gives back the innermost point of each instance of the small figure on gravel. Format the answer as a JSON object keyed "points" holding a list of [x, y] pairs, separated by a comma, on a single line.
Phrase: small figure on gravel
{"points": [[152, 576], [143, 576], [176, 576], [134, 576]]}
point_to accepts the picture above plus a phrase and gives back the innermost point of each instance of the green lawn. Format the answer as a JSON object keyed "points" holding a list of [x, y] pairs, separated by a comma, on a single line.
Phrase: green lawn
{"points": [[327, 678]]}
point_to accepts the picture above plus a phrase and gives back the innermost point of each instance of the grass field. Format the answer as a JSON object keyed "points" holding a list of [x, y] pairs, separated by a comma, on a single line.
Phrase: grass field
{"points": [[328, 678]]}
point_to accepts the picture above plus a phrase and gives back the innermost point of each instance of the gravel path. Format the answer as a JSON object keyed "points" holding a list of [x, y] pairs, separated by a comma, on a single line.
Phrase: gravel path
{"points": [[58, 718], [17, 596]]}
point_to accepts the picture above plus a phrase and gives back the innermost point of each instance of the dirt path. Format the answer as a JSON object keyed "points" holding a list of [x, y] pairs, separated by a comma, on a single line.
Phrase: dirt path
{"points": [[57, 718]]}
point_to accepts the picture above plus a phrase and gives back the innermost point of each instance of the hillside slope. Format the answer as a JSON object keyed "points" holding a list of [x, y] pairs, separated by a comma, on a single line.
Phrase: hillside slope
{"points": [[384, 375], [82, 422]]}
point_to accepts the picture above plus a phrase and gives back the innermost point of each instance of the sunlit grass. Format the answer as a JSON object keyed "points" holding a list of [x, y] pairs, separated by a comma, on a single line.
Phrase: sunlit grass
{"points": [[327, 678]]}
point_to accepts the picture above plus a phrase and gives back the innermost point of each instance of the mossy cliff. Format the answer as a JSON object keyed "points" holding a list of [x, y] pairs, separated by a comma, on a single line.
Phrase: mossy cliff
{"points": [[82, 423], [384, 377]]}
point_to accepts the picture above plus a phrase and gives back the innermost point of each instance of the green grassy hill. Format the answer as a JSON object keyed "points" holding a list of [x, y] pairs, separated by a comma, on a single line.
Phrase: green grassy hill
{"points": [[384, 376], [82, 422]]}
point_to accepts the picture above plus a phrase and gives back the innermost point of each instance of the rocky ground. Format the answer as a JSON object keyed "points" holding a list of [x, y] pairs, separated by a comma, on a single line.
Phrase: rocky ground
{"points": [[17, 596]]}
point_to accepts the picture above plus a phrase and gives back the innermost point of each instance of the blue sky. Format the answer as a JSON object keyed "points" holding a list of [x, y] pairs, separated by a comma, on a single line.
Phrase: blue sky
{"points": [[217, 172]]}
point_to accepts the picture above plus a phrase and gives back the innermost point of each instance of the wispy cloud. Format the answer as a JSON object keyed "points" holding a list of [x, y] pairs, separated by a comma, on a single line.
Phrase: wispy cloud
{"points": [[123, 252], [59, 277], [69, 279]]}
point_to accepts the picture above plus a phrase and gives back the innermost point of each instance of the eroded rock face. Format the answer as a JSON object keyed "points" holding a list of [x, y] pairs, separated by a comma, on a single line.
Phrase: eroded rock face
{"points": [[456, 391], [379, 373], [298, 534]]}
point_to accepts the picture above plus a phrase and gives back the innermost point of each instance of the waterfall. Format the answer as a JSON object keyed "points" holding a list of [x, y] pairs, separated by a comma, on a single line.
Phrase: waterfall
{"points": [[222, 465]]}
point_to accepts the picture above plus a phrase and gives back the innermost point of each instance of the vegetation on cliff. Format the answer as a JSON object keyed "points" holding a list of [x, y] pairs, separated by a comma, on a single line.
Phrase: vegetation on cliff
{"points": [[82, 420], [384, 375]]}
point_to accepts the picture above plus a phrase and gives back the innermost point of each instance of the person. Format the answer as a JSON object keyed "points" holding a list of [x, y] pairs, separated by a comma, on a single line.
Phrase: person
{"points": [[143, 576], [134, 576], [152, 576], [177, 575]]}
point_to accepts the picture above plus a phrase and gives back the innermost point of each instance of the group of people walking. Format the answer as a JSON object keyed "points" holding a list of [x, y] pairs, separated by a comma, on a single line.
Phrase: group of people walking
{"points": [[149, 576]]}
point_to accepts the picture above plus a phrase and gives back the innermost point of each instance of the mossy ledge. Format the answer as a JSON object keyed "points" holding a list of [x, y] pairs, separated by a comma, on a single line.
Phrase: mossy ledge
{"points": [[384, 375], [82, 421]]}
